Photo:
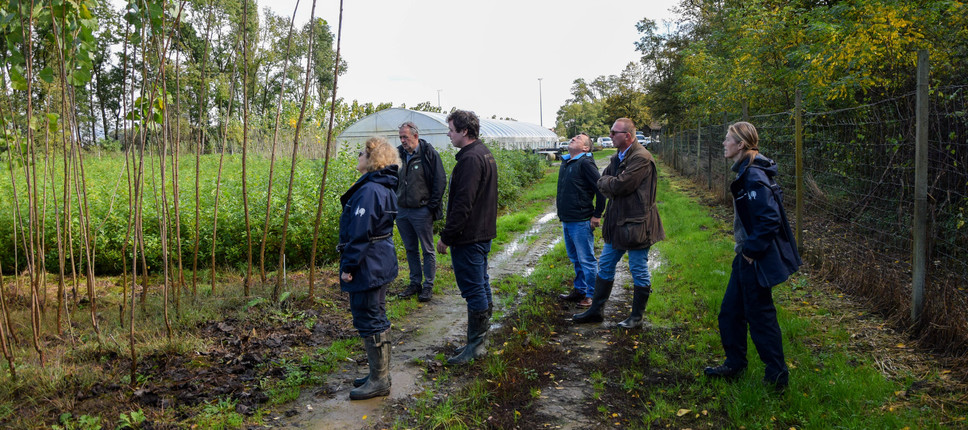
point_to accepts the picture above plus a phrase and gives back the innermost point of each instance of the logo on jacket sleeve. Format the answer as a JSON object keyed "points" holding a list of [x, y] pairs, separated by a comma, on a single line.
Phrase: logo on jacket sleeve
{"points": [[752, 195], [360, 211]]}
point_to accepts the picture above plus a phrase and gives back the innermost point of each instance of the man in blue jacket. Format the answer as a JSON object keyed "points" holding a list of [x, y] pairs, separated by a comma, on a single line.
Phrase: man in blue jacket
{"points": [[580, 205], [471, 225], [419, 194]]}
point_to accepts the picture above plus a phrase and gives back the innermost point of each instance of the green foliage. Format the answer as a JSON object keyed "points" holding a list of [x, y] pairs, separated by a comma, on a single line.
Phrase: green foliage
{"points": [[108, 197], [84, 422], [594, 107], [132, 420], [758, 53], [220, 415], [517, 170]]}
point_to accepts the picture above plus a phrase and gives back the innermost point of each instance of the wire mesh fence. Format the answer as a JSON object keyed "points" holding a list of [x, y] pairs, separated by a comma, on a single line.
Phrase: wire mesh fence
{"points": [[858, 190]]}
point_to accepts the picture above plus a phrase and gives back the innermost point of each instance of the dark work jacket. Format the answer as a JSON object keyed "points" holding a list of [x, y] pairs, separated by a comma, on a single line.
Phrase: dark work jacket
{"points": [[758, 202], [472, 200], [631, 217], [422, 180], [577, 187], [366, 231]]}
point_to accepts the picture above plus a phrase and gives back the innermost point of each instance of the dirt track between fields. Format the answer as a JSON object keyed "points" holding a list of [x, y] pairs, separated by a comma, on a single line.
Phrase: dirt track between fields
{"points": [[440, 325]]}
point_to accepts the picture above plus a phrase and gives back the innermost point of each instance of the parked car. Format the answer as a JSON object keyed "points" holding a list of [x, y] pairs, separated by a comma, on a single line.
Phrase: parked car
{"points": [[605, 142], [640, 137]]}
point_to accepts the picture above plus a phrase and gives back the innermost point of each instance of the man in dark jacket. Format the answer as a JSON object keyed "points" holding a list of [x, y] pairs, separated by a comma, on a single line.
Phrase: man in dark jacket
{"points": [[577, 190], [631, 224], [422, 183], [471, 225]]}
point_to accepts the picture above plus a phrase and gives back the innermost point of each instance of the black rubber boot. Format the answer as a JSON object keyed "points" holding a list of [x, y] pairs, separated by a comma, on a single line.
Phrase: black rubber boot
{"points": [[574, 296], [426, 294], [378, 355], [640, 297], [478, 323], [411, 290], [603, 289]]}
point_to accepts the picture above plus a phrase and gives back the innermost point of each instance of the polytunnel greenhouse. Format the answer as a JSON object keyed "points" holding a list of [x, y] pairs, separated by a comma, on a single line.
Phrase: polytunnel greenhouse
{"points": [[433, 129]]}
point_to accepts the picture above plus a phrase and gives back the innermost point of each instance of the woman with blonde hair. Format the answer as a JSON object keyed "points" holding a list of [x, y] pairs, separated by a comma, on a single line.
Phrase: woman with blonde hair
{"points": [[368, 260], [766, 255]]}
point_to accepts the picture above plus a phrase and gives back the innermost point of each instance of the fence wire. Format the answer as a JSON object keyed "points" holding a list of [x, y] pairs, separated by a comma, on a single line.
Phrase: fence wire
{"points": [[858, 178]]}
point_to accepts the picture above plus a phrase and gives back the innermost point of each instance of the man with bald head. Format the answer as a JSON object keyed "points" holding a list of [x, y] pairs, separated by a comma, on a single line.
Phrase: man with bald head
{"points": [[631, 224], [580, 205]]}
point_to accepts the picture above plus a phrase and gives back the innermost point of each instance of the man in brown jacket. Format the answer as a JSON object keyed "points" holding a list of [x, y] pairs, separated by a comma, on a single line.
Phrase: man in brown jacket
{"points": [[631, 223]]}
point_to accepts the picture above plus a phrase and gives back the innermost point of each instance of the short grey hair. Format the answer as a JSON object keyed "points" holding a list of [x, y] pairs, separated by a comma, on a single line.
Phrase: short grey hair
{"points": [[413, 128]]}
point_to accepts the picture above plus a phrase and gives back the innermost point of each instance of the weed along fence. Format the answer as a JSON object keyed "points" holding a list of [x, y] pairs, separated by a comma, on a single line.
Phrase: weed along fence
{"points": [[878, 195]]}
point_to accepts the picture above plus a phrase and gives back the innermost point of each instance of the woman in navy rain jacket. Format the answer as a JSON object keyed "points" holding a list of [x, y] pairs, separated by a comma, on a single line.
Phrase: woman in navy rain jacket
{"points": [[766, 255], [368, 260]]}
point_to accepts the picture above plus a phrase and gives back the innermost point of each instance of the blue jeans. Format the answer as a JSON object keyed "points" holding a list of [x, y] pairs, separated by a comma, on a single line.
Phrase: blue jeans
{"points": [[470, 270], [369, 309], [746, 304], [638, 265], [416, 227], [580, 245]]}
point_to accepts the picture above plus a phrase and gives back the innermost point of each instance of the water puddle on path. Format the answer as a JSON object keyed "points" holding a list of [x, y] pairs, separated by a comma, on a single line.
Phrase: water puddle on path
{"points": [[520, 256]]}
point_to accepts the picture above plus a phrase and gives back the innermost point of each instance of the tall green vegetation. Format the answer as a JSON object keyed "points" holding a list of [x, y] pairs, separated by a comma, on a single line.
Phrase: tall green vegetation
{"points": [[594, 106], [754, 55]]}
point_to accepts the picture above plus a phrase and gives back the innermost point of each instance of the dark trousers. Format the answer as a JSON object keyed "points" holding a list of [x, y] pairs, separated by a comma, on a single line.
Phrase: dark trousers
{"points": [[369, 309], [416, 227], [470, 271], [748, 305]]}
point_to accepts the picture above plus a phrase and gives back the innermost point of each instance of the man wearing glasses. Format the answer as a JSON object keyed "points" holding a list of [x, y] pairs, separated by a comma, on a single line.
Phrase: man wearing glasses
{"points": [[419, 192], [631, 223]]}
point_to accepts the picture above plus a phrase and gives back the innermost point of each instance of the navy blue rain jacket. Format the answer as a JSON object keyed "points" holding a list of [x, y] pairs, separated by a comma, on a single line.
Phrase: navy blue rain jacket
{"points": [[366, 231], [759, 205]]}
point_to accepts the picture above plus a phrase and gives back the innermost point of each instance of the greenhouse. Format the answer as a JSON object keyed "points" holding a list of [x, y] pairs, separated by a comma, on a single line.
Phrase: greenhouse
{"points": [[433, 129]]}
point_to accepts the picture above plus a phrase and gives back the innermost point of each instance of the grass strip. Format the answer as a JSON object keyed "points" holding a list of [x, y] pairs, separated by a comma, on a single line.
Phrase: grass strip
{"points": [[653, 377]]}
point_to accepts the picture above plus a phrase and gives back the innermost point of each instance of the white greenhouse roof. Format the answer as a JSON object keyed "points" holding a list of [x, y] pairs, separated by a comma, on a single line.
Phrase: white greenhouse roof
{"points": [[433, 129]]}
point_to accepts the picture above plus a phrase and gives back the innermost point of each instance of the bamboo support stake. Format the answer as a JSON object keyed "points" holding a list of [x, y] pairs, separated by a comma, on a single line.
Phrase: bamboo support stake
{"points": [[295, 150], [272, 156], [245, 146], [329, 139]]}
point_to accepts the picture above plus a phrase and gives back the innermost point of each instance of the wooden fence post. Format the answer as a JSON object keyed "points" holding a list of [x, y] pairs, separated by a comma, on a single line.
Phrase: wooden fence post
{"points": [[798, 115], [726, 180], [920, 227], [709, 167], [698, 148]]}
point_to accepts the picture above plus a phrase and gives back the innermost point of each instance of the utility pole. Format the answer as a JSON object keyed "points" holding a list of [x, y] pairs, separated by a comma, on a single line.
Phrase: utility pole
{"points": [[438, 101], [540, 107]]}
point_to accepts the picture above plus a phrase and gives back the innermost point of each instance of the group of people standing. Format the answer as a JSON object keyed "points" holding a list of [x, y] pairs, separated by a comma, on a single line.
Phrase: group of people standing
{"points": [[766, 253], [406, 185]]}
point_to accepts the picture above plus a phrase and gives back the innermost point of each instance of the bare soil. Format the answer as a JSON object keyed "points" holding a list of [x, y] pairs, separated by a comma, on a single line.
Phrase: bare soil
{"points": [[240, 350]]}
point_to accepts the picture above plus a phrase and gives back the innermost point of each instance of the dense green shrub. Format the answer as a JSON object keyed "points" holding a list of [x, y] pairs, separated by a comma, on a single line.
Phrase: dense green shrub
{"points": [[108, 196]]}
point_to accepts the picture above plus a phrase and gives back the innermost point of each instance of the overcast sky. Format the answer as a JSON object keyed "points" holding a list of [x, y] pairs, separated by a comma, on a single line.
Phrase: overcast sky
{"points": [[485, 56]]}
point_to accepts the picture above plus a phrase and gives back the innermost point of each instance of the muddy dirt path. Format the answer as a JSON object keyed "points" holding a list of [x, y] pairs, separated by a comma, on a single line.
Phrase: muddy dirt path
{"points": [[440, 324], [433, 327]]}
